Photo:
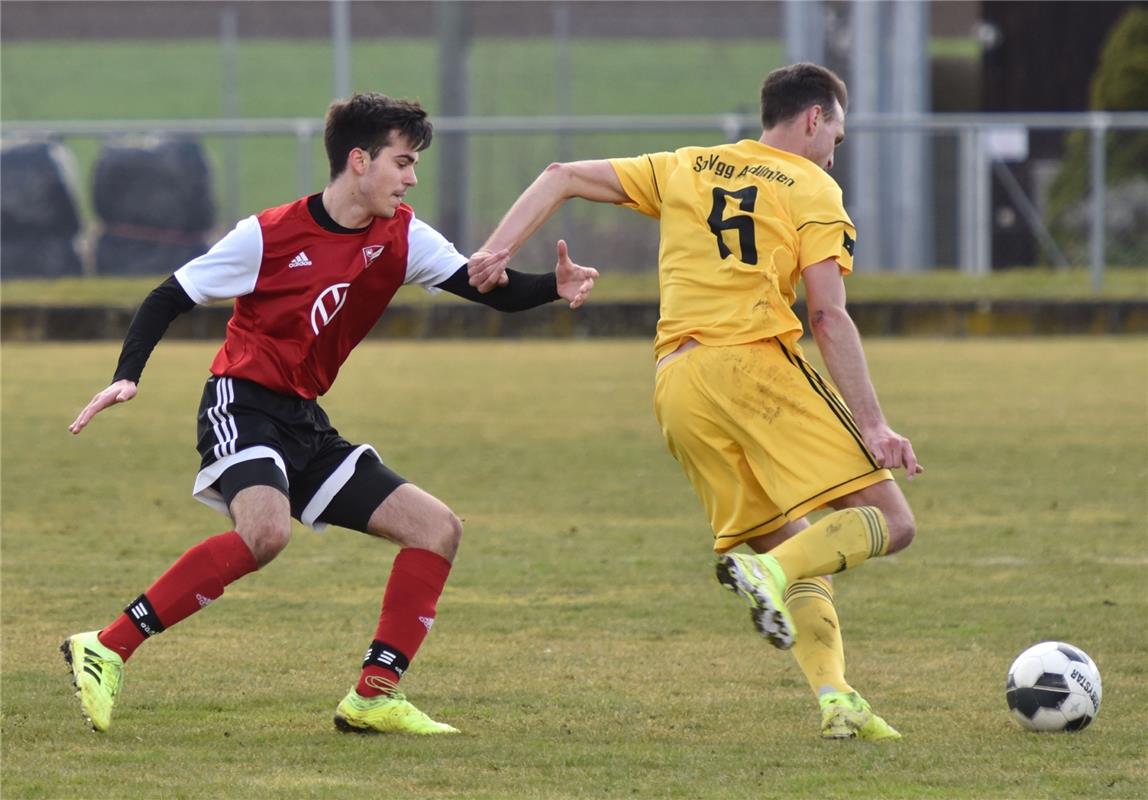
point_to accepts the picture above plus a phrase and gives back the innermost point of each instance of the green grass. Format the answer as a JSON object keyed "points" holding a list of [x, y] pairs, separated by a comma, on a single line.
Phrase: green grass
{"points": [[1028, 284], [582, 644]]}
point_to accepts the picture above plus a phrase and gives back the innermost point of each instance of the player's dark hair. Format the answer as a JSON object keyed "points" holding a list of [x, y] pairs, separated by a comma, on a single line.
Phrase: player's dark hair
{"points": [[367, 121], [790, 90]]}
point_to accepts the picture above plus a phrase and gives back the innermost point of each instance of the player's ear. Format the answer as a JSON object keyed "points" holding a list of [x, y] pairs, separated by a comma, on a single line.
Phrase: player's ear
{"points": [[358, 160], [813, 118]]}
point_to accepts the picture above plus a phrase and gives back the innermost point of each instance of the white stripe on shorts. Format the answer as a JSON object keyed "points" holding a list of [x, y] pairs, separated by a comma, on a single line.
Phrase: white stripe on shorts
{"points": [[222, 423]]}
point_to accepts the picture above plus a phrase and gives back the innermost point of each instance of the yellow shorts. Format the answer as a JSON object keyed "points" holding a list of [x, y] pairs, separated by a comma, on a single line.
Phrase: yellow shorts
{"points": [[763, 438]]}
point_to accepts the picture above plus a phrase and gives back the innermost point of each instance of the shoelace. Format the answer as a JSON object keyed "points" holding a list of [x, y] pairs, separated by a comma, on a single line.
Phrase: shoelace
{"points": [[385, 686]]}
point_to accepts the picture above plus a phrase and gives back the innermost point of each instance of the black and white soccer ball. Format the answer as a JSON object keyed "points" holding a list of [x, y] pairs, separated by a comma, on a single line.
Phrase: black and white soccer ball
{"points": [[1053, 686]]}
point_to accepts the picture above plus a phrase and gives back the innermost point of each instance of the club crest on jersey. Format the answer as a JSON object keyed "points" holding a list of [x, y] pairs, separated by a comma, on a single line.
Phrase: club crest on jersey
{"points": [[370, 253], [327, 305]]}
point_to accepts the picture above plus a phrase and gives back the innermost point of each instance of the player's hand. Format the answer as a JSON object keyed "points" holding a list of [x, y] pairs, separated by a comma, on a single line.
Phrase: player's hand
{"points": [[119, 392], [893, 451], [574, 280], [488, 269]]}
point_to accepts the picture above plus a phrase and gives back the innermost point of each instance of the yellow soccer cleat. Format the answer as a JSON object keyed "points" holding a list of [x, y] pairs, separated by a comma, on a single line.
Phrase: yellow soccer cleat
{"points": [[847, 715], [387, 713], [760, 582], [98, 675]]}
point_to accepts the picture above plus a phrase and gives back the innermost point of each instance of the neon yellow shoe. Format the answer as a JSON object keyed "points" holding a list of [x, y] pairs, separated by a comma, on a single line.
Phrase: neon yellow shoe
{"points": [[98, 675], [847, 715], [387, 713], [760, 581]]}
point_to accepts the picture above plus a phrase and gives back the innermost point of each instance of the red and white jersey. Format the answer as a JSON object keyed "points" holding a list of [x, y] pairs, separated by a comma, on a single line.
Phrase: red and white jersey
{"points": [[305, 295]]}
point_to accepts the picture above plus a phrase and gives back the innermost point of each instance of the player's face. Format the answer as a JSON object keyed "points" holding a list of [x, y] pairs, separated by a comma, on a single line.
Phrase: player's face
{"points": [[829, 132], [388, 176]]}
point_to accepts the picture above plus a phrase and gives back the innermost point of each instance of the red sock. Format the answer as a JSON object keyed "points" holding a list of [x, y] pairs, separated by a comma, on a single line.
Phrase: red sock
{"points": [[197, 578], [409, 602]]}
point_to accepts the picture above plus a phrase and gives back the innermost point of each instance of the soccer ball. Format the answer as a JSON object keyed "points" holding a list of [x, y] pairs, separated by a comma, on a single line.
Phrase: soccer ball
{"points": [[1053, 686]]}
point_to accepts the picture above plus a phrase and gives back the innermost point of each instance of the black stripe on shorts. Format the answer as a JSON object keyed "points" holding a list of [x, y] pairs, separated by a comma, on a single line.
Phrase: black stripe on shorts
{"points": [[839, 409]]}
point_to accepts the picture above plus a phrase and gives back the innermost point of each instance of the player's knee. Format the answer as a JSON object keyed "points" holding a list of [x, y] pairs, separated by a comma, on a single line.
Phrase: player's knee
{"points": [[266, 539], [902, 530], [448, 534]]}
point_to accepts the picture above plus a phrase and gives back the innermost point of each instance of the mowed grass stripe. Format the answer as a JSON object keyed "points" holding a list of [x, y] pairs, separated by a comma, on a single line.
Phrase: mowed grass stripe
{"points": [[582, 644]]}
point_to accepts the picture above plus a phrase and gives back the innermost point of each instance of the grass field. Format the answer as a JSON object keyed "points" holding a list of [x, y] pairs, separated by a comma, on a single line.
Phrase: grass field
{"points": [[582, 644]]}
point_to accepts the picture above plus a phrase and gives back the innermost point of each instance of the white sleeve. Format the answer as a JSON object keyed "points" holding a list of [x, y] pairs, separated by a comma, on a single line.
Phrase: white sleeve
{"points": [[229, 269], [431, 259]]}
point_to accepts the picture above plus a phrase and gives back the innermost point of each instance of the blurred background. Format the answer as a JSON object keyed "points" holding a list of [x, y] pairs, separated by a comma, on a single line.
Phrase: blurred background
{"points": [[982, 136]]}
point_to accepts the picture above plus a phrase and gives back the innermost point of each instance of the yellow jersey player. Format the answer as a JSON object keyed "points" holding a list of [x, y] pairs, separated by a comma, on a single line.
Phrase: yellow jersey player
{"points": [[763, 438]]}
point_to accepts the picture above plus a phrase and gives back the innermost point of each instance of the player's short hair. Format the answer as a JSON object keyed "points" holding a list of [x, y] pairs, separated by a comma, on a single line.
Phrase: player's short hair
{"points": [[367, 121], [790, 90]]}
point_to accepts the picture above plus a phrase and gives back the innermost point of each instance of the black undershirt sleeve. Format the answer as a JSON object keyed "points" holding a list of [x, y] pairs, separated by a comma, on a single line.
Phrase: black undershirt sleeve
{"points": [[524, 290], [166, 302]]}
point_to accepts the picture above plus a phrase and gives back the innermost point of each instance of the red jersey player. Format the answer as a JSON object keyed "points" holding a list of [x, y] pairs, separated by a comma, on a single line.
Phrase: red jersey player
{"points": [[309, 279]]}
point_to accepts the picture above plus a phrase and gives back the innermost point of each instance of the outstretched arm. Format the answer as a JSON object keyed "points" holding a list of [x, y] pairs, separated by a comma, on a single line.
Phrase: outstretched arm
{"points": [[522, 290], [590, 180], [840, 345], [166, 302]]}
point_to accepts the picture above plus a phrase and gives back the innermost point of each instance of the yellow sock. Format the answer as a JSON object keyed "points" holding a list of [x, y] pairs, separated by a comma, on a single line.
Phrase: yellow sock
{"points": [[834, 543], [818, 648]]}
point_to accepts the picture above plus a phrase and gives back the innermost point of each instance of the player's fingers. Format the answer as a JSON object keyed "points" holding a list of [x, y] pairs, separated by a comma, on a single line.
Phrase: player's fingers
{"points": [[583, 291], [483, 273], [563, 252], [494, 261], [108, 397], [83, 419], [493, 272], [912, 468], [502, 255], [877, 448]]}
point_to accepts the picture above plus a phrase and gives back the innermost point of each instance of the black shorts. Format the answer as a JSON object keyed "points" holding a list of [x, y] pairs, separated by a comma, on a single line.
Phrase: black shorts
{"points": [[260, 437]]}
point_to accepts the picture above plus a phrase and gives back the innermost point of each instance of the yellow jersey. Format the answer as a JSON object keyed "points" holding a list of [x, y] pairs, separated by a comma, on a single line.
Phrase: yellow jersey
{"points": [[739, 222]]}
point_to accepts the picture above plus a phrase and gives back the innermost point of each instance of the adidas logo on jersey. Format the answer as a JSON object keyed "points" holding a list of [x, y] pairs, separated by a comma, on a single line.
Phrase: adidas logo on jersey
{"points": [[300, 260]]}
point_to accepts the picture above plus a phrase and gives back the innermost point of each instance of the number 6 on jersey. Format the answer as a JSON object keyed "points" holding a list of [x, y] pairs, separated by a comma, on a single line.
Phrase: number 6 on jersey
{"points": [[742, 223]]}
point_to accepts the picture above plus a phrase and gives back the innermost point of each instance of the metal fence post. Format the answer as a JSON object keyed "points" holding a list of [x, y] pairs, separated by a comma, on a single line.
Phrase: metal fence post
{"points": [[303, 160], [229, 58], [454, 43], [984, 204], [975, 243], [967, 202], [341, 47], [866, 181], [1098, 167]]}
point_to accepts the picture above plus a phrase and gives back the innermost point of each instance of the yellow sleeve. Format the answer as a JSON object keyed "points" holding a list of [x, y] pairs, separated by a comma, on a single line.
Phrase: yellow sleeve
{"points": [[825, 231], [642, 178]]}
